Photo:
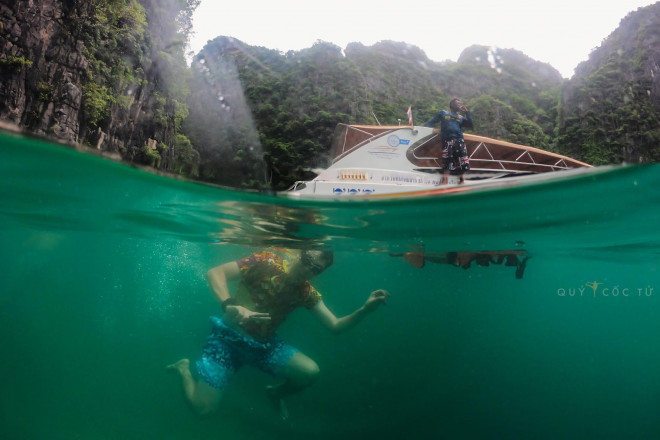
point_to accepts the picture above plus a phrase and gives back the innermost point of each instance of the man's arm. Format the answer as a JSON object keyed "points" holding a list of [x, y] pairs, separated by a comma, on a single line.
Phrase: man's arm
{"points": [[218, 278], [435, 120], [468, 122], [339, 325]]}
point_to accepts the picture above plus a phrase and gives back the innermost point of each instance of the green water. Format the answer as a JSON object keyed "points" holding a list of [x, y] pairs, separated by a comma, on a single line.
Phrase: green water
{"points": [[103, 284]]}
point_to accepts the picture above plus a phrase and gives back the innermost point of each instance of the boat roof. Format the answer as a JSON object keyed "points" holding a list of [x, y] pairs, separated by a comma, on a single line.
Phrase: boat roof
{"points": [[485, 153]]}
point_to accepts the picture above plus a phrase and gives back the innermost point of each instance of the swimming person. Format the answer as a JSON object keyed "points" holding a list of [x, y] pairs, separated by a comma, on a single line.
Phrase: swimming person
{"points": [[454, 152], [270, 287]]}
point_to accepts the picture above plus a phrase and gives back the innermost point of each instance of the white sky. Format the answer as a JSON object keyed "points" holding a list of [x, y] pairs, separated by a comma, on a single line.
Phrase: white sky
{"points": [[559, 32]]}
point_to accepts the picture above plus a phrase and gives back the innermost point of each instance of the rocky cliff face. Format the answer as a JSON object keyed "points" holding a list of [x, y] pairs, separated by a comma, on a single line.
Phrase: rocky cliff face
{"points": [[610, 110], [41, 69], [637, 43], [97, 73]]}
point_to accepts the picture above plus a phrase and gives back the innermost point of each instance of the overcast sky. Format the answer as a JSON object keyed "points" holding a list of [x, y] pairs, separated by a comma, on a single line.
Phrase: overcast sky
{"points": [[559, 32]]}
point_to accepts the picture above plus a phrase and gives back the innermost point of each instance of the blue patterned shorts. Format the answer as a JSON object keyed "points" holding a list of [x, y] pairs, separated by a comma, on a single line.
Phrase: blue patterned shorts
{"points": [[454, 156], [227, 350]]}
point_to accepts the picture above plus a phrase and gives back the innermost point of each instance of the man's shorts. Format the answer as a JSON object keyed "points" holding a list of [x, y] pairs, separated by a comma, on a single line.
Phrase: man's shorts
{"points": [[227, 350], [454, 156]]}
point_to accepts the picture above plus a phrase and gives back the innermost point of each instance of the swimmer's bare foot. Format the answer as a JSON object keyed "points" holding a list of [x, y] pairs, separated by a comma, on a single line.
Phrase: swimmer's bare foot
{"points": [[273, 395], [182, 367]]}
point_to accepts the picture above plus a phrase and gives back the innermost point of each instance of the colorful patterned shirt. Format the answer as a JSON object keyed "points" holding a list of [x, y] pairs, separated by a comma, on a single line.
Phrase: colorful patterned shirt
{"points": [[263, 289]]}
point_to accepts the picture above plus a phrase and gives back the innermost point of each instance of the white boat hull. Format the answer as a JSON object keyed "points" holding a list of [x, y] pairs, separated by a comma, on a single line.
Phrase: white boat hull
{"points": [[376, 160]]}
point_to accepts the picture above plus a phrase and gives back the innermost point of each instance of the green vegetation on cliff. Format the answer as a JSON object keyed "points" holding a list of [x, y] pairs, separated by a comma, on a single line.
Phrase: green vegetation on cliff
{"points": [[295, 100], [137, 82], [611, 108]]}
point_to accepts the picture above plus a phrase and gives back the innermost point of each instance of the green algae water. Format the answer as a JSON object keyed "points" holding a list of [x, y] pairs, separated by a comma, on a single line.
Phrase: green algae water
{"points": [[103, 284]]}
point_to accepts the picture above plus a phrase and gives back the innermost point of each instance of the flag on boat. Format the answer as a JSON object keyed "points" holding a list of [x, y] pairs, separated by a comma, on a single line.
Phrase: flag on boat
{"points": [[409, 115]]}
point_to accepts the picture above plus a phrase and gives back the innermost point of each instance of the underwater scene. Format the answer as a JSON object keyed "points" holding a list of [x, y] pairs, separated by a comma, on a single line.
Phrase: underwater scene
{"points": [[529, 311]]}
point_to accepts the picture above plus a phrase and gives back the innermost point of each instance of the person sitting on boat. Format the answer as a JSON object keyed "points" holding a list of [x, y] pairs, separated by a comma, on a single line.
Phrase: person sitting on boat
{"points": [[271, 285], [454, 153]]}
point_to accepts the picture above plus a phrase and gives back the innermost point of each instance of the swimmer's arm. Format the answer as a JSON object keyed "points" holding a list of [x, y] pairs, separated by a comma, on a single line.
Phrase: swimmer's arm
{"points": [[339, 325], [218, 278]]}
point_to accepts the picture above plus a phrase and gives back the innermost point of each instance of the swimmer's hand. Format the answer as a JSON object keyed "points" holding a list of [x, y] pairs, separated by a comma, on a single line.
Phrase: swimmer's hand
{"points": [[240, 315], [376, 298]]}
